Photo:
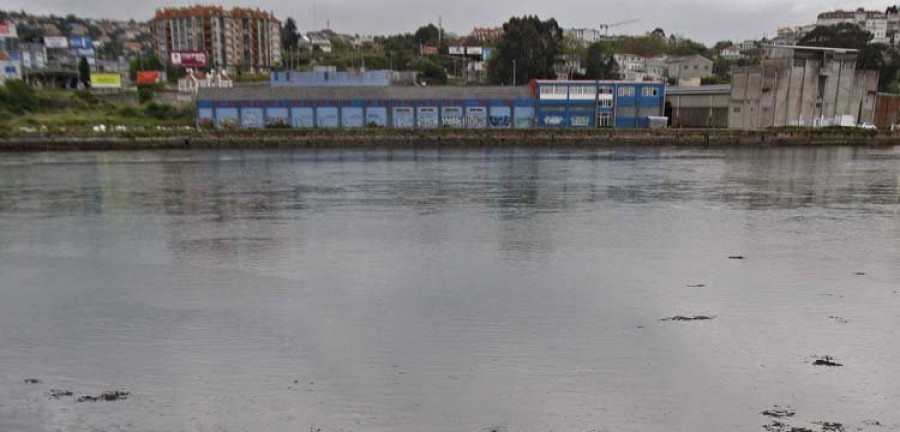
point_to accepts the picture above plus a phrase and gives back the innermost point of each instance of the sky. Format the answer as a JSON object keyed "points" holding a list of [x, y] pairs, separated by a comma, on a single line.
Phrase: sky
{"points": [[705, 20]]}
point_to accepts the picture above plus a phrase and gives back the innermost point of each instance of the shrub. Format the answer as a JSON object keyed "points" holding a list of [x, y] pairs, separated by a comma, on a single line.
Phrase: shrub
{"points": [[145, 94], [17, 97]]}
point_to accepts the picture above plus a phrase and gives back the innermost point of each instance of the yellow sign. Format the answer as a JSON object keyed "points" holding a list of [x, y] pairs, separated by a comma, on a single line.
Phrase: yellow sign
{"points": [[106, 80]]}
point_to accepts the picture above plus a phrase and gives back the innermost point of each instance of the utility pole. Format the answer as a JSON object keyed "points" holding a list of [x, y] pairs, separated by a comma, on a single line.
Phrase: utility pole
{"points": [[514, 73]]}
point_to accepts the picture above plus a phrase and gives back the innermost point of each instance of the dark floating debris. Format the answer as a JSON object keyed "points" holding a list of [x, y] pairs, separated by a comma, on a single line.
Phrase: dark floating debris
{"points": [[827, 361], [779, 412], [33, 381], [840, 320], [860, 273], [832, 427], [778, 426], [697, 286], [686, 318], [59, 394], [872, 423], [107, 396], [736, 257]]}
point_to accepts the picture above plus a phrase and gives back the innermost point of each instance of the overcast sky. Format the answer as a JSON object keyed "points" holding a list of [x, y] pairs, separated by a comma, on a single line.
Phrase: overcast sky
{"points": [[704, 20]]}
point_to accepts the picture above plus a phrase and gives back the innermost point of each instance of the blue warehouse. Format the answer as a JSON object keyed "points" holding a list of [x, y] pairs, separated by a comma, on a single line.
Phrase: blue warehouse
{"points": [[543, 104]]}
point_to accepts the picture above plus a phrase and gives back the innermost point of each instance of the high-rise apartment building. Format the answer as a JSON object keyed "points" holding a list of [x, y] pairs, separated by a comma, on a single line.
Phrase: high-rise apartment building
{"points": [[248, 39]]}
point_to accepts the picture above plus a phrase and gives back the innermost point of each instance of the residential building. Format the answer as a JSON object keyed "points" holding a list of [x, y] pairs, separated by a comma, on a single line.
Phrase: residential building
{"points": [[585, 36], [568, 66], [802, 86], [10, 69], [689, 70], [732, 53], [34, 55], [873, 22], [637, 68], [486, 34], [245, 38]]}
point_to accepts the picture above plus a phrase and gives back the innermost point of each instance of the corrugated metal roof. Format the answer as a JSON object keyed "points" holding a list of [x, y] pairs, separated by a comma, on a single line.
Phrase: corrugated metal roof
{"points": [[701, 90], [364, 93]]}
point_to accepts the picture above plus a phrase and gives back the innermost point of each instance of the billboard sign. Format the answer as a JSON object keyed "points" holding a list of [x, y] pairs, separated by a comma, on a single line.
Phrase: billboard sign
{"points": [[474, 51], [188, 59], [81, 42], [429, 50], [147, 77], [85, 52], [488, 53], [7, 30], [106, 80], [56, 42], [456, 50]]}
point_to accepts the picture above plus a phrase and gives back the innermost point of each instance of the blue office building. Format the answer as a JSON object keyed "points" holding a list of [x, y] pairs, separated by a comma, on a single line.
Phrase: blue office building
{"points": [[598, 104]]}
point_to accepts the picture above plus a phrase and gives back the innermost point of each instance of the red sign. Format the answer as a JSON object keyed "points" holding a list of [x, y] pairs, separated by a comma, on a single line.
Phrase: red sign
{"points": [[429, 50], [188, 59], [147, 77]]}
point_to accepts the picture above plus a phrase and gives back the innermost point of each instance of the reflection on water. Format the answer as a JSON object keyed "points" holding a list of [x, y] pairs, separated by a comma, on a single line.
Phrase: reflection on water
{"points": [[440, 290]]}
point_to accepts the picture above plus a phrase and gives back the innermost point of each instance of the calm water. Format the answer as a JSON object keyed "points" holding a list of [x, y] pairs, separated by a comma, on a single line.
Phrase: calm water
{"points": [[511, 290]]}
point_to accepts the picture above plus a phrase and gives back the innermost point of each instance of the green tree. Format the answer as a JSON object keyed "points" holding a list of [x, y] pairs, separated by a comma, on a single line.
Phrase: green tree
{"points": [[289, 36], [427, 35], [533, 45], [431, 72], [144, 62], [84, 72], [646, 46], [599, 62], [844, 35]]}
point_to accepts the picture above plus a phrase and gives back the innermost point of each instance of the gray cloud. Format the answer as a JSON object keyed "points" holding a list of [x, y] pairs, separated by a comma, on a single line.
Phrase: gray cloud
{"points": [[705, 20]]}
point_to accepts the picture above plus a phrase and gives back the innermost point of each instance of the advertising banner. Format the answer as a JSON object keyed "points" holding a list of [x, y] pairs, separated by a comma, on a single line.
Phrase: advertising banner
{"points": [[147, 77], [7, 30], [188, 59], [457, 50], [85, 52], [81, 42], [429, 50], [56, 42], [106, 80], [474, 51]]}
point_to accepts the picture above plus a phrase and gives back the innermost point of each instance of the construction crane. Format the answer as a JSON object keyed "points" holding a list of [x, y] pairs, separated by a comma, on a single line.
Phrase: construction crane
{"points": [[606, 27]]}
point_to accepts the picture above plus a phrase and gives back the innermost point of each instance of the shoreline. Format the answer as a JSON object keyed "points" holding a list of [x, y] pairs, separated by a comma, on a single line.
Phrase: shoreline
{"points": [[448, 138]]}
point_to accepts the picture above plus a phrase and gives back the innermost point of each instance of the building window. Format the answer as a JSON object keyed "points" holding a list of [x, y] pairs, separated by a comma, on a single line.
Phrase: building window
{"points": [[650, 91], [605, 120], [737, 110], [605, 90], [626, 91], [605, 103]]}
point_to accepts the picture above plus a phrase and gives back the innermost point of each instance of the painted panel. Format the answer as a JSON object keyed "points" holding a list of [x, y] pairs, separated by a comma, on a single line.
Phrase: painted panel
{"points": [[227, 118], [581, 118], [500, 117], [452, 117], [277, 116], [428, 117], [205, 117], [303, 117], [352, 117], [476, 117], [377, 116], [327, 117], [252, 118], [404, 118], [552, 117], [524, 117]]}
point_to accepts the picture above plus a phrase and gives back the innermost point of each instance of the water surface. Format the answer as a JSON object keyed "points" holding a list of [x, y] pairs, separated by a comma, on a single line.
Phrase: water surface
{"points": [[515, 290]]}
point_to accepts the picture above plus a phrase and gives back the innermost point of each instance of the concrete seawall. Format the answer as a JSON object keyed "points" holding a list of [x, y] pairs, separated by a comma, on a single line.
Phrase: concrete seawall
{"points": [[383, 138]]}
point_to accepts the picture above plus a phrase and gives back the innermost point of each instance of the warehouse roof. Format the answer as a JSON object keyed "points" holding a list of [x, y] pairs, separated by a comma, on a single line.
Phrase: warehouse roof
{"points": [[363, 93], [698, 90]]}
